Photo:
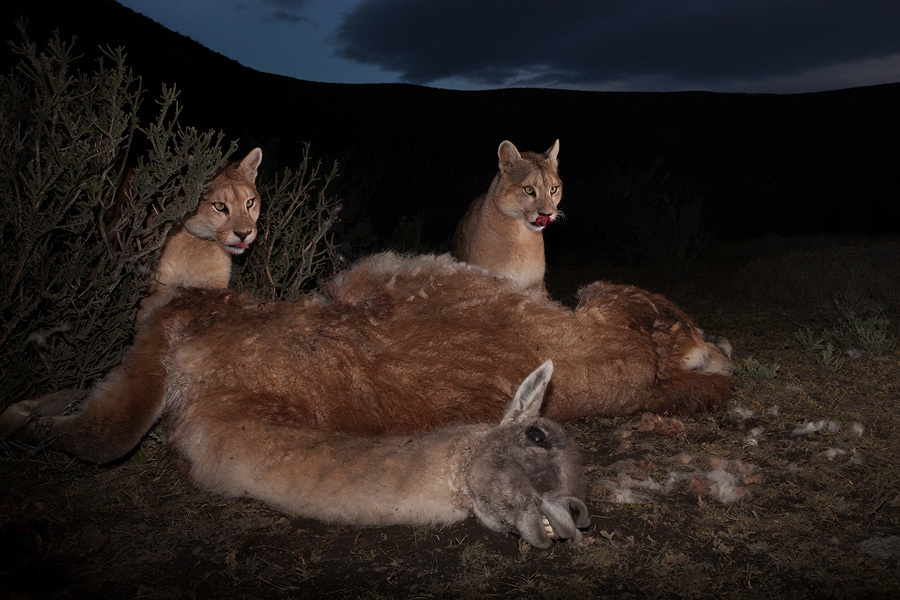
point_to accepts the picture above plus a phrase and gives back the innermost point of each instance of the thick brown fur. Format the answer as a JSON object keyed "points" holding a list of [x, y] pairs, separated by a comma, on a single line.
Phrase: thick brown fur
{"points": [[508, 476], [238, 443], [198, 251], [398, 345], [502, 230]]}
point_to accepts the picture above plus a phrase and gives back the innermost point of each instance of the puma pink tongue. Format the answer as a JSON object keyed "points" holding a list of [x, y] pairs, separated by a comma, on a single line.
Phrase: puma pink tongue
{"points": [[243, 245], [542, 221]]}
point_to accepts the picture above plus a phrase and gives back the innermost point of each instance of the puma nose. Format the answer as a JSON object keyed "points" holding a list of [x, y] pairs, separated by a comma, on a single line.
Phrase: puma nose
{"points": [[242, 234]]}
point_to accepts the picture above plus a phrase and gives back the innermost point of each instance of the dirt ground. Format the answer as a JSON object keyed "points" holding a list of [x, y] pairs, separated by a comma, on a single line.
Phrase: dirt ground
{"points": [[791, 490]]}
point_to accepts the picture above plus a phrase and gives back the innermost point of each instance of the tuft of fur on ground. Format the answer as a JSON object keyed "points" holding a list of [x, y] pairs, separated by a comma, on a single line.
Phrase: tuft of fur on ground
{"points": [[793, 489]]}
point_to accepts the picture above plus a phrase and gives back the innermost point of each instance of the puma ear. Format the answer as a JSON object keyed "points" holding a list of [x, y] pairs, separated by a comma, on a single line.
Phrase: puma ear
{"points": [[552, 152], [508, 154], [251, 163]]}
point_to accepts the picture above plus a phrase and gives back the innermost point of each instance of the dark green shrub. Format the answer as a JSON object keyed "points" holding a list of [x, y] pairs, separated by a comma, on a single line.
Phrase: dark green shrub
{"points": [[295, 248], [76, 256]]}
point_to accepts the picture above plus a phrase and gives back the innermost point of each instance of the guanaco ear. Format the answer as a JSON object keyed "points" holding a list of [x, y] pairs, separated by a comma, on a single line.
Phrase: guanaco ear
{"points": [[508, 154], [251, 163], [552, 153], [526, 404]]}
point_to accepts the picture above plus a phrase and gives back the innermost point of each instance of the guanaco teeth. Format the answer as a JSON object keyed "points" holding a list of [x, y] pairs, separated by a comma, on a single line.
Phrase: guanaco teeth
{"points": [[547, 527]]}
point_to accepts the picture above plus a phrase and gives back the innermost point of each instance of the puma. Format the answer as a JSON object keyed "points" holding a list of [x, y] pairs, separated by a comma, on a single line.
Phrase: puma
{"points": [[501, 230], [198, 251]]}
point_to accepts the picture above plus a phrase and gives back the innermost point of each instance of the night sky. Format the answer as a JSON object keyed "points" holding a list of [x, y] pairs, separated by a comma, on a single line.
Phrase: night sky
{"points": [[780, 46]]}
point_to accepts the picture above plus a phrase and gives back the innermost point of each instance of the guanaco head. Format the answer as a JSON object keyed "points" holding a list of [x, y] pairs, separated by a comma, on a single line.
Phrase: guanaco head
{"points": [[526, 471]]}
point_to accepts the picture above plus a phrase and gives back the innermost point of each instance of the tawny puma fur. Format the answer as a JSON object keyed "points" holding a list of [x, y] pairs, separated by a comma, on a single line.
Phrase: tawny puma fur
{"points": [[501, 230], [198, 251], [399, 345]]}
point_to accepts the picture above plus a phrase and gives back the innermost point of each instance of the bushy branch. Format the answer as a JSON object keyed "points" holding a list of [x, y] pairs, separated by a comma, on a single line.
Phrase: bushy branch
{"points": [[85, 214], [78, 248], [295, 250]]}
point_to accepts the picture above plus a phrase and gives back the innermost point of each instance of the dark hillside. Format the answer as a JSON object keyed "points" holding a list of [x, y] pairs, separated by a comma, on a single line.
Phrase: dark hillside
{"points": [[761, 163]]}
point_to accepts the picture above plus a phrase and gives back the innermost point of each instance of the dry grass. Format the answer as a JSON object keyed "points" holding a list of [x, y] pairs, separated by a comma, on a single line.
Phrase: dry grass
{"points": [[792, 490]]}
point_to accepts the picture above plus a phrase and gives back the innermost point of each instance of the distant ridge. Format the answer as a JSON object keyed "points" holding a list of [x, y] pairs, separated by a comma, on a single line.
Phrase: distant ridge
{"points": [[762, 163]]}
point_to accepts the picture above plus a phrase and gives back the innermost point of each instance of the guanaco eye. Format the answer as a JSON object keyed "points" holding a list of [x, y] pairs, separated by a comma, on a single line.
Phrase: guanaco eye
{"points": [[537, 437], [529, 190], [219, 206], [251, 202], [554, 189]]}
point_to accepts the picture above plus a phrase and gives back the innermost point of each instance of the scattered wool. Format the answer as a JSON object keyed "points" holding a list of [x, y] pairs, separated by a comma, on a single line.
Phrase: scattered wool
{"points": [[674, 478], [628, 496], [857, 428], [884, 548], [716, 462], [775, 411], [651, 423], [723, 485], [620, 494], [747, 472], [684, 458], [39, 338], [646, 484], [698, 486], [832, 453], [742, 414], [753, 435], [811, 427], [625, 446], [723, 482]]}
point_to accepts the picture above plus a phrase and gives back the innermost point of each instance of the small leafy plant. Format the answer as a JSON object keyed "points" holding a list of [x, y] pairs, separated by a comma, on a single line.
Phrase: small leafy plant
{"points": [[754, 370], [855, 331], [867, 333], [807, 340], [830, 358]]}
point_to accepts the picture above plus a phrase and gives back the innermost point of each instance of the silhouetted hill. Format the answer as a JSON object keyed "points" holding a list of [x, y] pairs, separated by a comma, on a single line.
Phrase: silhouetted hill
{"points": [[781, 163]]}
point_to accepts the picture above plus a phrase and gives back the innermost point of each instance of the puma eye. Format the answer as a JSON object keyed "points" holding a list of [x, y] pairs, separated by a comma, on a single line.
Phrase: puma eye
{"points": [[537, 437], [251, 202], [529, 190], [554, 189], [219, 206]]}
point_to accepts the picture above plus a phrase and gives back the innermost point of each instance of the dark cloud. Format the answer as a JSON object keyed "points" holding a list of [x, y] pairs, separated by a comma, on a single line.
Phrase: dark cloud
{"points": [[592, 43], [291, 5], [288, 11], [288, 17]]}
